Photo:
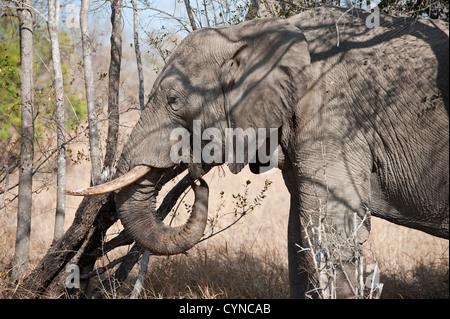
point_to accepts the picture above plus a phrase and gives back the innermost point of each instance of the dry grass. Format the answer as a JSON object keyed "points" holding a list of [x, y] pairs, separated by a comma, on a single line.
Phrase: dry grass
{"points": [[413, 264], [250, 259], [217, 272]]}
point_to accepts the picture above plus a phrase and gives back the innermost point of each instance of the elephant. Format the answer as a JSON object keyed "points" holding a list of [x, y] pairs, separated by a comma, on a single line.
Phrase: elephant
{"points": [[361, 115]]}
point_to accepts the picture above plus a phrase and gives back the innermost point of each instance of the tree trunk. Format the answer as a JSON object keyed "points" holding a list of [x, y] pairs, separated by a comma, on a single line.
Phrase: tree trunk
{"points": [[53, 21], [90, 94], [141, 276], [27, 139], [53, 265], [114, 86], [189, 13], [138, 56]]}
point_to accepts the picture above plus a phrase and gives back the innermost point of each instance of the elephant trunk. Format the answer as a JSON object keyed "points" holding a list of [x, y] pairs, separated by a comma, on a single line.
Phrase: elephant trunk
{"points": [[136, 206]]}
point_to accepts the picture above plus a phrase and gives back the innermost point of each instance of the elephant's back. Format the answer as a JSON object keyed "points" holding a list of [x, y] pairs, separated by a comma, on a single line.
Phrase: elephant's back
{"points": [[334, 31], [391, 83]]}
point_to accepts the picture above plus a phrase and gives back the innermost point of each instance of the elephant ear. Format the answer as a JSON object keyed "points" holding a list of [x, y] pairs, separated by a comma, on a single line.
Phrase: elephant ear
{"points": [[265, 75]]}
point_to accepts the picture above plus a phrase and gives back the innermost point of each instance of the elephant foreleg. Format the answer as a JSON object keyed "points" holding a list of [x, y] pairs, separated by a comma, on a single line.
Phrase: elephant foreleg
{"points": [[298, 276], [299, 279], [328, 221], [335, 221]]}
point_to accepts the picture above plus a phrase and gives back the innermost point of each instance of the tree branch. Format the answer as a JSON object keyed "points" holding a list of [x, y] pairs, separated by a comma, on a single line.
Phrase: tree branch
{"points": [[164, 13], [137, 51], [6, 186], [190, 15], [120, 240], [22, 5]]}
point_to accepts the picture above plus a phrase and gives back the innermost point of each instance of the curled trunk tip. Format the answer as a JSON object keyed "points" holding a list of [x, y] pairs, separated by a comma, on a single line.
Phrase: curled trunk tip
{"points": [[150, 232]]}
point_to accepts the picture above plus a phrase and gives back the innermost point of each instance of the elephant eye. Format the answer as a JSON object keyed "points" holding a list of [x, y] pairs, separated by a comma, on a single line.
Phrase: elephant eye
{"points": [[172, 101]]}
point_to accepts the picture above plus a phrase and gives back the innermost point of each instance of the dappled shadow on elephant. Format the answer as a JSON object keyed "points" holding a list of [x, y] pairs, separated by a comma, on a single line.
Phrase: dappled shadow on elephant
{"points": [[345, 30]]}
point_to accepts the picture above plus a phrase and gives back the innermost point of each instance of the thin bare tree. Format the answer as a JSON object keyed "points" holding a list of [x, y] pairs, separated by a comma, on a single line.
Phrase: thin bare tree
{"points": [[190, 15], [138, 55], [90, 94], [53, 21], [24, 13], [145, 258], [114, 87]]}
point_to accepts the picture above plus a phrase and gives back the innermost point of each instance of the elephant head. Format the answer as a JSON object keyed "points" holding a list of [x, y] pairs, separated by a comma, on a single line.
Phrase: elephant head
{"points": [[245, 76]]}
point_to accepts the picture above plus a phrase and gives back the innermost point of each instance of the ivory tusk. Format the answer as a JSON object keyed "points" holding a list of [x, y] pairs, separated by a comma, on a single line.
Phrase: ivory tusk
{"points": [[126, 179]]}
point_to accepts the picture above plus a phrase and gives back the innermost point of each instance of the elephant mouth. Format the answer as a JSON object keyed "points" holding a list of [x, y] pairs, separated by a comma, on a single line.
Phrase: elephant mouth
{"points": [[135, 197]]}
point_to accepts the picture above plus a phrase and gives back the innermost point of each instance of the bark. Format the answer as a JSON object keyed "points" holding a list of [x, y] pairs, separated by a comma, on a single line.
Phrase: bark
{"points": [[53, 21], [90, 94], [114, 83], [54, 263], [138, 56], [190, 15], [27, 139]]}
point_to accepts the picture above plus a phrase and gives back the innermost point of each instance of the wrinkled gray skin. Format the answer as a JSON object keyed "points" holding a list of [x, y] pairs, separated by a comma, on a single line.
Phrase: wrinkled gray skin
{"points": [[363, 126]]}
